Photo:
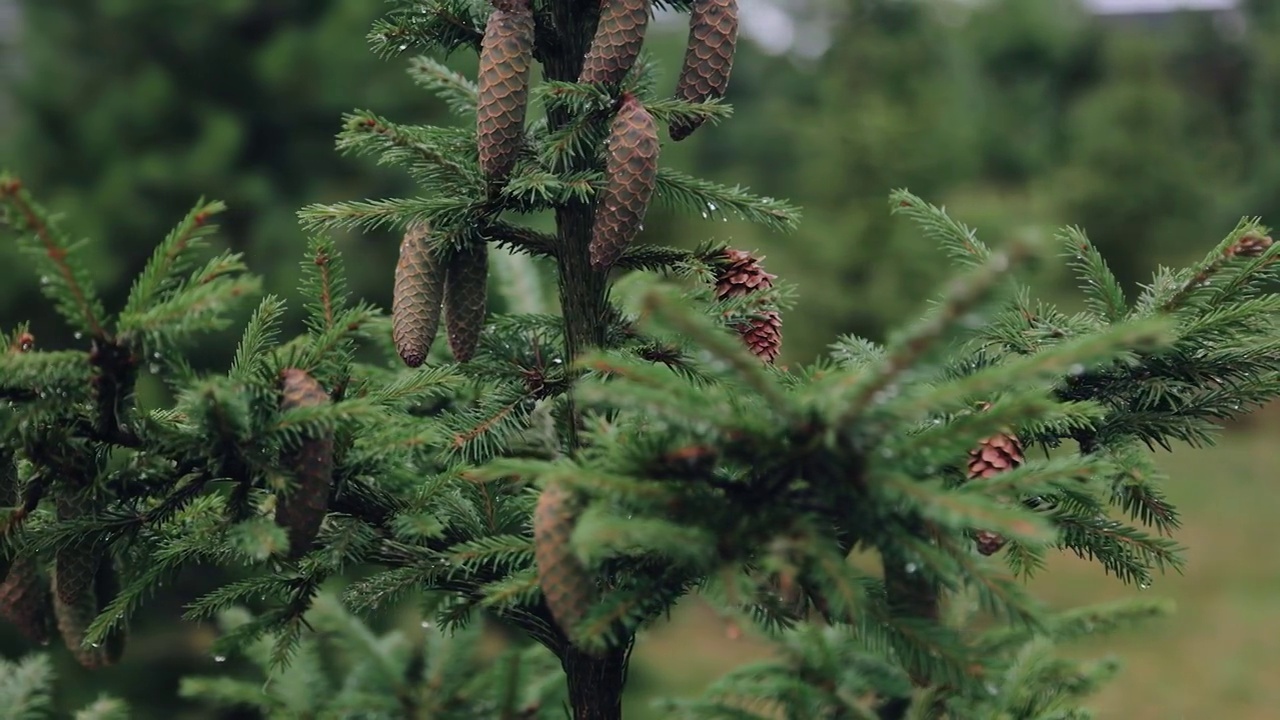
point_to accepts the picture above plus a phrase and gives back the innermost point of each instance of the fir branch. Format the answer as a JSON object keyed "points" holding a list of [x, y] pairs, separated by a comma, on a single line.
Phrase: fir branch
{"points": [[457, 91], [174, 256], [65, 279], [445, 25], [1105, 296], [25, 687], [957, 239], [374, 214], [713, 200], [259, 336]]}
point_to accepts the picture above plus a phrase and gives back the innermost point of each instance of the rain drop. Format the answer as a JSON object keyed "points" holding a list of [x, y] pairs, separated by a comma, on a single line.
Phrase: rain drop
{"points": [[711, 206], [219, 658], [426, 624], [78, 335], [911, 568], [992, 689], [44, 279], [1076, 370]]}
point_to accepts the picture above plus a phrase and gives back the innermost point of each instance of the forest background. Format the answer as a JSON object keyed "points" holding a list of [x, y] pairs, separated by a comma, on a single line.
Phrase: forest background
{"points": [[1156, 133]]}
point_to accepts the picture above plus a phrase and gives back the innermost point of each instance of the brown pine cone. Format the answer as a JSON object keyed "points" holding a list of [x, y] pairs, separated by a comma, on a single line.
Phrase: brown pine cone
{"points": [[616, 45], [506, 59], [565, 583], [466, 299], [1250, 246], [301, 509], [631, 174], [75, 612], [989, 543], [708, 57], [995, 455], [76, 563], [25, 601], [417, 297], [763, 335], [741, 275]]}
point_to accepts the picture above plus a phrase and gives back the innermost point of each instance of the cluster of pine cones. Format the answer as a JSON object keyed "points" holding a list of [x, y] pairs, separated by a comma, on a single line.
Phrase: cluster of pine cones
{"points": [[427, 283]]}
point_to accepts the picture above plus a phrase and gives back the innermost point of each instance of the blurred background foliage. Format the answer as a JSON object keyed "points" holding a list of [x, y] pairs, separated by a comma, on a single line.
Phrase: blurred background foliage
{"points": [[1155, 134]]}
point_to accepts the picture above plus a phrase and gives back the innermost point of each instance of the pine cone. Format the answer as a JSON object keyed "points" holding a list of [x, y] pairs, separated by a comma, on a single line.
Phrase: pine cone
{"points": [[506, 58], [301, 511], [763, 334], [25, 601], [741, 275], [466, 299], [1250, 246], [565, 583], [989, 543], [76, 606], [995, 455], [76, 563], [708, 57], [616, 45], [631, 169], [417, 297]]}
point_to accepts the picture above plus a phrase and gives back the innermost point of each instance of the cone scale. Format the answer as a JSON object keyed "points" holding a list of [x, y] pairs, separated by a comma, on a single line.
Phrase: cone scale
{"points": [[302, 511], [708, 57], [631, 172], [417, 297], [506, 59]]}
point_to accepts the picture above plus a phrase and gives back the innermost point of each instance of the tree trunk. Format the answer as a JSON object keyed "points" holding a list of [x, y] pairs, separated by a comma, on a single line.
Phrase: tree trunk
{"points": [[596, 681]]}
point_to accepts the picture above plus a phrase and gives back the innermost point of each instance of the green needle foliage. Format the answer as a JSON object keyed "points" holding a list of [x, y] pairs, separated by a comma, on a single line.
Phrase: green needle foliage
{"points": [[656, 454]]}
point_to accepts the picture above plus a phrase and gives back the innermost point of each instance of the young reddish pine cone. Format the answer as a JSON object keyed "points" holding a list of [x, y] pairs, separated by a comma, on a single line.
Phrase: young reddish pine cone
{"points": [[616, 45], [993, 455], [417, 297], [708, 57], [466, 300], [502, 99], [301, 509], [631, 173], [1250, 246], [741, 275], [763, 335]]}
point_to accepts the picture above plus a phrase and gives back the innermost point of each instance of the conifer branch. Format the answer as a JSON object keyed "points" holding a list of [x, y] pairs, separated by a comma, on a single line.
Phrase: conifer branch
{"points": [[66, 281]]}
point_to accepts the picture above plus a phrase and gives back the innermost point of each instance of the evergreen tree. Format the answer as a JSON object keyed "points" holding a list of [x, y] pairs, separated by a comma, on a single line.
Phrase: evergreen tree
{"points": [[575, 474]]}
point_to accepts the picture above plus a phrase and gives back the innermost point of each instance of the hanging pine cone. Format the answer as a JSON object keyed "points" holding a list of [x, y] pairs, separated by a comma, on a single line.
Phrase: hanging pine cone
{"points": [[416, 298], [76, 607], [708, 57], [631, 173], [564, 581], [76, 563], [616, 45], [993, 455], [466, 299], [301, 510], [763, 334], [741, 274], [506, 58], [1250, 246], [25, 601]]}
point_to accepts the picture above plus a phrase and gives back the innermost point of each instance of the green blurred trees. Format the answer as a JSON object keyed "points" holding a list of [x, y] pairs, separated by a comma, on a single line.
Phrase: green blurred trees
{"points": [[129, 110]]}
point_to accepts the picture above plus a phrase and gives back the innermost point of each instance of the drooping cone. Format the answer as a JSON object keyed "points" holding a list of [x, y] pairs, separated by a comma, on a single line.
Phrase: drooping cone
{"points": [[631, 173], [301, 510], [708, 57], [76, 564], [1250, 246], [565, 583], [506, 58], [763, 334], [993, 455], [616, 45], [25, 601], [741, 275], [416, 298], [466, 299]]}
